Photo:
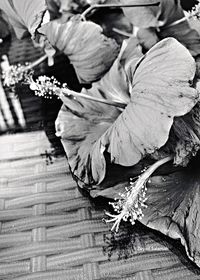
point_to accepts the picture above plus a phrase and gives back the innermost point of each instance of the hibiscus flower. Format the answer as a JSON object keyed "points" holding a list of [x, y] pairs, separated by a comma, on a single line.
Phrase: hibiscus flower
{"points": [[106, 145], [89, 51]]}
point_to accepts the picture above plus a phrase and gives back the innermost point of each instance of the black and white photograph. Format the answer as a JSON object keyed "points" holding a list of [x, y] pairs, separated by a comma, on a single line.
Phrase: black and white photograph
{"points": [[99, 139]]}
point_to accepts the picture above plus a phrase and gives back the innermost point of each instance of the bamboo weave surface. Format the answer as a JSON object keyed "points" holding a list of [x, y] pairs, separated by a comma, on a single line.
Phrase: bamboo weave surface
{"points": [[48, 230]]}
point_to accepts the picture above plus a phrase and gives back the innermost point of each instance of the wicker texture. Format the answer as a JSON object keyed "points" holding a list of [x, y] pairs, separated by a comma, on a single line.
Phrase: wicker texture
{"points": [[48, 230]]}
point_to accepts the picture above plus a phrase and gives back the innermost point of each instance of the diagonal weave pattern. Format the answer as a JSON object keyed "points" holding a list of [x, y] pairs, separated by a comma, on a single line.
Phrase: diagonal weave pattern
{"points": [[48, 230]]}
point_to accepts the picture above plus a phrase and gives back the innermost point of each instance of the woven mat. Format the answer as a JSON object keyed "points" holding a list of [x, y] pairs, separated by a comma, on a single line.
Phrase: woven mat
{"points": [[48, 230]]}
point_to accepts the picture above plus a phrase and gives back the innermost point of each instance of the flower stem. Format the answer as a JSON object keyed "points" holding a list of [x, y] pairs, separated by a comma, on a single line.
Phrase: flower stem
{"points": [[145, 176], [35, 63], [68, 92], [96, 6], [122, 32]]}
